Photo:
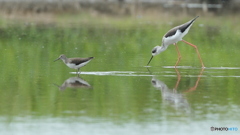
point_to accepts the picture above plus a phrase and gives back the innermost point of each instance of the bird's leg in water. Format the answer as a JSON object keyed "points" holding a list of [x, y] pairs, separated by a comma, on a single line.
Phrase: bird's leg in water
{"points": [[179, 55], [178, 80], [196, 51]]}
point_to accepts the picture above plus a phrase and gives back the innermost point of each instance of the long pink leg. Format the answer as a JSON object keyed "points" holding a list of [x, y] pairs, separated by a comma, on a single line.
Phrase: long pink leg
{"points": [[179, 55], [196, 51], [178, 80]]}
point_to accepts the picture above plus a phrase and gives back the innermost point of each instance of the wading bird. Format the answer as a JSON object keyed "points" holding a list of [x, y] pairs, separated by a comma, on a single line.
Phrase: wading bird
{"points": [[172, 37], [75, 63]]}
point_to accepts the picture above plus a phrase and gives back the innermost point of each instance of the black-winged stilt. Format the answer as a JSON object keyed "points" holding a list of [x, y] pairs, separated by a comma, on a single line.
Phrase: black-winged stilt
{"points": [[172, 37]]}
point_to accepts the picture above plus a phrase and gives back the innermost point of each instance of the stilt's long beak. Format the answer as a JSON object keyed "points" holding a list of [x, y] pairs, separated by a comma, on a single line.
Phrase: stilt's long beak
{"points": [[149, 60], [56, 59]]}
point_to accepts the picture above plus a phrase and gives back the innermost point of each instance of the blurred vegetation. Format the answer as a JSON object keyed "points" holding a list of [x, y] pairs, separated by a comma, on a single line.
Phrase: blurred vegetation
{"points": [[29, 47]]}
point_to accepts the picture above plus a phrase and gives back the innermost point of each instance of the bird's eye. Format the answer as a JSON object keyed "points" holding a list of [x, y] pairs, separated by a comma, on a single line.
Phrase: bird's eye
{"points": [[154, 82], [154, 50]]}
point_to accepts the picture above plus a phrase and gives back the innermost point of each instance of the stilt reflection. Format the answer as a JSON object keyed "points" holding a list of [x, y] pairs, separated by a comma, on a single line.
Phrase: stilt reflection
{"points": [[171, 96]]}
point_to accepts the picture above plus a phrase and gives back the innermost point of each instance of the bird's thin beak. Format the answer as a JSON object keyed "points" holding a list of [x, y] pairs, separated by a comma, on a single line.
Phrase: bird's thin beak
{"points": [[56, 59], [56, 85], [149, 60]]}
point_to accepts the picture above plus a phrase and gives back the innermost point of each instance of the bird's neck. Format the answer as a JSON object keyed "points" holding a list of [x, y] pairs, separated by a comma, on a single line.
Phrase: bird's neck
{"points": [[161, 85], [63, 87], [65, 60], [163, 48]]}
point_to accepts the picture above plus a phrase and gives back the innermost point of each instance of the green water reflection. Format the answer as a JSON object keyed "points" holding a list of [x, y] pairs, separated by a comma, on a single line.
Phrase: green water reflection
{"points": [[115, 92]]}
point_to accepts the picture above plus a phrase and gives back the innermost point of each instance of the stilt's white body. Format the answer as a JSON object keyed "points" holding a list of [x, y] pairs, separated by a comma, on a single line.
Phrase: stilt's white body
{"points": [[175, 38]]}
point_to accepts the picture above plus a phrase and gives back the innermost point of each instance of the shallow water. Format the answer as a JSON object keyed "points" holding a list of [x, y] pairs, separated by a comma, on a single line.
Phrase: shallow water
{"points": [[166, 100], [115, 93]]}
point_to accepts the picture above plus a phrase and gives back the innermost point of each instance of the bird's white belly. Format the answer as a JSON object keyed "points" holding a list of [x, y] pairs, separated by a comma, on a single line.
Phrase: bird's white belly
{"points": [[71, 65], [174, 38]]}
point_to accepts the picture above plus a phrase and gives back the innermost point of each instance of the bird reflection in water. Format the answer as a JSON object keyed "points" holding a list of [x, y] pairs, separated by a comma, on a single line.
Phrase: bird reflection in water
{"points": [[171, 96], [74, 82]]}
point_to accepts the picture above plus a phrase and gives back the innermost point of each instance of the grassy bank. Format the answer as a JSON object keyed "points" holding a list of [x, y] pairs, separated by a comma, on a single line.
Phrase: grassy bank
{"points": [[66, 19], [213, 35]]}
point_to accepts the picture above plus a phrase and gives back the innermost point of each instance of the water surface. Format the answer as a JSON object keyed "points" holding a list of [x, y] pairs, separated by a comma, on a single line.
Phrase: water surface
{"points": [[115, 93]]}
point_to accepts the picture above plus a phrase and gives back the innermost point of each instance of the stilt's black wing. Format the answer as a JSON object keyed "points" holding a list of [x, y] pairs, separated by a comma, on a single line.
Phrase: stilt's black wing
{"points": [[182, 28]]}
